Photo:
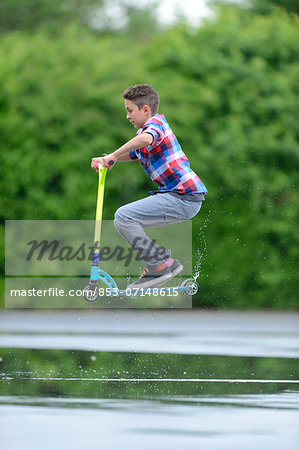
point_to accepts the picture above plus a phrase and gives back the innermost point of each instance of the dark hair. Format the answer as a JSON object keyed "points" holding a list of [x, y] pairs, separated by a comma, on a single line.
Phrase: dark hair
{"points": [[143, 94]]}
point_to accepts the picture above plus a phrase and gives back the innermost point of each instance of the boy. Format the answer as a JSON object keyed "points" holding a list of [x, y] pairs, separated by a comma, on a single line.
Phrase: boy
{"points": [[180, 192]]}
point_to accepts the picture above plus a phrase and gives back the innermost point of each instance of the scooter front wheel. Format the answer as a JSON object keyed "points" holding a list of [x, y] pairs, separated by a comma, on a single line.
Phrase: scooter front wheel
{"points": [[192, 285], [91, 293]]}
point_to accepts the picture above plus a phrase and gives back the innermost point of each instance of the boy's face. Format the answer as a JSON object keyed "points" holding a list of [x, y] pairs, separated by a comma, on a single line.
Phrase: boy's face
{"points": [[137, 116]]}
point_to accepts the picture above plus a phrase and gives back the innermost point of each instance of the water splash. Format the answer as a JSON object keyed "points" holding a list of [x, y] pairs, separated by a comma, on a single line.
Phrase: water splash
{"points": [[201, 250], [197, 267]]}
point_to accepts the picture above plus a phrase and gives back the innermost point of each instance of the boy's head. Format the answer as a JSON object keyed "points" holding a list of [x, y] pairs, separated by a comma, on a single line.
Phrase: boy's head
{"points": [[142, 102]]}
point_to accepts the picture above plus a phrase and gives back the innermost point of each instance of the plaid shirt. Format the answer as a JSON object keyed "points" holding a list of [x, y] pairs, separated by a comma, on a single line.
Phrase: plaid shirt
{"points": [[165, 161]]}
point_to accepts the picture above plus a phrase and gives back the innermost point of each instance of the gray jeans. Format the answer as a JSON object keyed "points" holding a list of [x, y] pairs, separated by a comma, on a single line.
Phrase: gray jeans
{"points": [[154, 211]]}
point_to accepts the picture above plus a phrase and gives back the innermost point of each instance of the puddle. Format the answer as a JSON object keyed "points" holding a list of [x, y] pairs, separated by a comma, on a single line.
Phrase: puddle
{"points": [[131, 400], [178, 422], [131, 375]]}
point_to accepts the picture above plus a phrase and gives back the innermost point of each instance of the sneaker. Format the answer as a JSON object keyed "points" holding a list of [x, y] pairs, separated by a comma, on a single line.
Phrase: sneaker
{"points": [[176, 267], [151, 278]]}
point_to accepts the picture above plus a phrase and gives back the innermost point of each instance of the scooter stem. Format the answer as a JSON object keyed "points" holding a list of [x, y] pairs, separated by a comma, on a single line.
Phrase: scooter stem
{"points": [[99, 210]]}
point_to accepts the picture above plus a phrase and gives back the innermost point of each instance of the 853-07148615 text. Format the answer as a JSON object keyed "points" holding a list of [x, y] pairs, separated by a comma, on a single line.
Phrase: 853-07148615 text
{"points": [[55, 292]]}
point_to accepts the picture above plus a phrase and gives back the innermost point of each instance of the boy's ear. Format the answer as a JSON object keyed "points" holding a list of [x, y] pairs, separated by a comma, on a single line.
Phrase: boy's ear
{"points": [[147, 109]]}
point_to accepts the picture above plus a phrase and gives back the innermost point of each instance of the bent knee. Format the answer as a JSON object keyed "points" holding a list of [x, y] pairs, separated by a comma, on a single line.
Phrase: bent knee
{"points": [[120, 215], [124, 213]]}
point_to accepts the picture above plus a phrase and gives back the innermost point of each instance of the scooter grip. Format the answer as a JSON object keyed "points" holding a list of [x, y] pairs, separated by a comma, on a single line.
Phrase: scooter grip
{"points": [[99, 165]]}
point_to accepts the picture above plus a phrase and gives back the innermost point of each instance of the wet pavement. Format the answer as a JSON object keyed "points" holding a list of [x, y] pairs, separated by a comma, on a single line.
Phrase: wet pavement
{"points": [[146, 379], [184, 332]]}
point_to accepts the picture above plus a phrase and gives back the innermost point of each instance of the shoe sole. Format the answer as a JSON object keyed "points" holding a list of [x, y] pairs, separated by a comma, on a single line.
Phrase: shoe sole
{"points": [[177, 270], [159, 282], [152, 283], [170, 276]]}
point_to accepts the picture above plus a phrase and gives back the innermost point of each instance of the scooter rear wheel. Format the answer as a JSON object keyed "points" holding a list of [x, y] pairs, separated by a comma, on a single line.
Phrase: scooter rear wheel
{"points": [[192, 285]]}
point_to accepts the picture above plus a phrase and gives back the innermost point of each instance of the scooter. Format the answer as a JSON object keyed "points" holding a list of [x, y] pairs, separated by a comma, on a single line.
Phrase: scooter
{"points": [[91, 292]]}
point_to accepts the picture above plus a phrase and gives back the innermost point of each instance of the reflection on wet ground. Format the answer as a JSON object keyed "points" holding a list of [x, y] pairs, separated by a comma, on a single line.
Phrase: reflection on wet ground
{"points": [[148, 400], [185, 400], [147, 424]]}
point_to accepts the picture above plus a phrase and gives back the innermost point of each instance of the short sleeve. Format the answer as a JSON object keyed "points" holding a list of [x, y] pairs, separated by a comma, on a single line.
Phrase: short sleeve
{"points": [[133, 155], [157, 132]]}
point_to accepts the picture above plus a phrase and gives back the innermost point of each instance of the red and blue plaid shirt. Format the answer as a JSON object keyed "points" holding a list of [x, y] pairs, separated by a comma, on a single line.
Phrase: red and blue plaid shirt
{"points": [[165, 161]]}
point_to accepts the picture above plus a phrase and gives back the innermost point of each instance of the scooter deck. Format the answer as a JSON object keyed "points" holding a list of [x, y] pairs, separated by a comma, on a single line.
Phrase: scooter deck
{"points": [[188, 287]]}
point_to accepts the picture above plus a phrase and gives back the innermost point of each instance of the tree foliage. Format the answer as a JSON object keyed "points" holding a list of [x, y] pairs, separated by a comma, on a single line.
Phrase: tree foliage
{"points": [[29, 15], [230, 91], [267, 6], [260, 6]]}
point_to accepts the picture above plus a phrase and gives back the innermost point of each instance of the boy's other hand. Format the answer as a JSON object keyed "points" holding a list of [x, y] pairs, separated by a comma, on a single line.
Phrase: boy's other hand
{"points": [[95, 162], [107, 161]]}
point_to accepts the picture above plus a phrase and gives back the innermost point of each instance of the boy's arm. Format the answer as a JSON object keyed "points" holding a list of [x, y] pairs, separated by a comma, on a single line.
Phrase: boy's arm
{"points": [[125, 157], [142, 140], [123, 152]]}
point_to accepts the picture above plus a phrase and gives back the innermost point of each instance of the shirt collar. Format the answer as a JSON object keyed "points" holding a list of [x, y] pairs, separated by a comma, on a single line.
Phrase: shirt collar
{"points": [[160, 116]]}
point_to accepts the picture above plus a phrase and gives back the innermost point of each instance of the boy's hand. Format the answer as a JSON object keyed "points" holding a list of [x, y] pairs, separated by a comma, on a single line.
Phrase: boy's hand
{"points": [[95, 162], [107, 161]]}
